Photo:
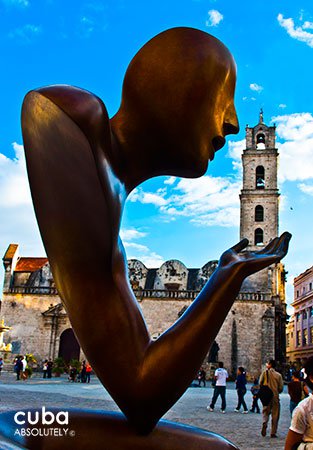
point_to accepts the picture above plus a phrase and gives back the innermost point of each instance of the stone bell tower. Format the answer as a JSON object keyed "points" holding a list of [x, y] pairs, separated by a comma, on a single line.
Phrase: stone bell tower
{"points": [[259, 201], [259, 195]]}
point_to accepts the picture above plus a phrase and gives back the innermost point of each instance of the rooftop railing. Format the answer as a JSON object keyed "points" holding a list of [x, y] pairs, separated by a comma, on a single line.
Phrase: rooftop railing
{"points": [[141, 294]]}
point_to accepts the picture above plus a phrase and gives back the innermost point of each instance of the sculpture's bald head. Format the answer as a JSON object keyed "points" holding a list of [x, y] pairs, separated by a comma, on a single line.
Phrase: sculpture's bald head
{"points": [[177, 101]]}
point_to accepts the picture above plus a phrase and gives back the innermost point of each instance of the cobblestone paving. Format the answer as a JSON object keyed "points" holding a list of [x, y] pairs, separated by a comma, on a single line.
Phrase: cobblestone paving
{"points": [[241, 429]]}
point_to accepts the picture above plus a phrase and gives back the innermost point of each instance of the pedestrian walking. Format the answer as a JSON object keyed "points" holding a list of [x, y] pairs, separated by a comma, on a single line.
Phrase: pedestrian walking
{"points": [[88, 372], [49, 368], [297, 390], [300, 434], [274, 381], [18, 366], [24, 366], [45, 368], [220, 377], [83, 378], [255, 391], [1, 365], [201, 375], [241, 382]]}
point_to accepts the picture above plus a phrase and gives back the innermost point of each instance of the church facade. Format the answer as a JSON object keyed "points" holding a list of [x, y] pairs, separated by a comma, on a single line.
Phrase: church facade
{"points": [[254, 329]]}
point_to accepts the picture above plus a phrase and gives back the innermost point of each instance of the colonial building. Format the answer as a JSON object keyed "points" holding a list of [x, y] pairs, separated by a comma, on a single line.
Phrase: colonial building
{"points": [[300, 327], [253, 331]]}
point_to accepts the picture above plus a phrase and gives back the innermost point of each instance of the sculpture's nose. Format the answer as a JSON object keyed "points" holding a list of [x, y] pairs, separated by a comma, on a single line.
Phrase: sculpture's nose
{"points": [[230, 125]]}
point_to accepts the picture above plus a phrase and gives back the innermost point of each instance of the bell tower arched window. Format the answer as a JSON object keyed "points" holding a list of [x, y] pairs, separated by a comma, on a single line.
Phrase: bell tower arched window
{"points": [[258, 236], [260, 141], [259, 213], [260, 177]]}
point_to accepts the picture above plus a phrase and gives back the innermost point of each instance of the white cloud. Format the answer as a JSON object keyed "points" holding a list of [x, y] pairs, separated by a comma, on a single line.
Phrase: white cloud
{"points": [[131, 233], [170, 180], [282, 106], [294, 127], [18, 223], [256, 87], [14, 186], [147, 197], [136, 246], [214, 18], [226, 217], [19, 3], [295, 32], [306, 188], [134, 250], [144, 254], [86, 26], [26, 34], [307, 25], [204, 199]]}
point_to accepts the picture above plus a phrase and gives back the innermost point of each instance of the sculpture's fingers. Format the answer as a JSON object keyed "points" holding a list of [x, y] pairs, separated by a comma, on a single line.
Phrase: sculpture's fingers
{"points": [[240, 246], [284, 243], [270, 246]]}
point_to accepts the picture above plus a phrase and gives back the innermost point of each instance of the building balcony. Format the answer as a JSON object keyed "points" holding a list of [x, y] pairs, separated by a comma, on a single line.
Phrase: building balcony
{"points": [[141, 294], [33, 290]]}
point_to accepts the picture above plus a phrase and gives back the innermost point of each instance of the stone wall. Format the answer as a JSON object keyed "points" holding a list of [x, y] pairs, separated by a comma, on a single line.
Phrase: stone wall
{"points": [[31, 331], [254, 339], [250, 353]]}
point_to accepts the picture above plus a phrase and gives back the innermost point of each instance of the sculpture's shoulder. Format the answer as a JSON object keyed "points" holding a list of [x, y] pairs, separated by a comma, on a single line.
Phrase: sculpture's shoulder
{"points": [[67, 138], [82, 107]]}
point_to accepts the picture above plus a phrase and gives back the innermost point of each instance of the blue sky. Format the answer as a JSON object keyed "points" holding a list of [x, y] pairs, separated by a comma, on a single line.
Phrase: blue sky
{"points": [[90, 43]]}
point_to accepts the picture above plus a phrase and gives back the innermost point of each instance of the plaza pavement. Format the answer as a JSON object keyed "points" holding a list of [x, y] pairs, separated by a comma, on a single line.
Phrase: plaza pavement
{"points": [[241, 429]]}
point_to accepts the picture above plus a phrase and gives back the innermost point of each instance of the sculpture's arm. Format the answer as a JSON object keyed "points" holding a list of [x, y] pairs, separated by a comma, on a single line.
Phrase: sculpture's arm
{"points": [[170, 363]]}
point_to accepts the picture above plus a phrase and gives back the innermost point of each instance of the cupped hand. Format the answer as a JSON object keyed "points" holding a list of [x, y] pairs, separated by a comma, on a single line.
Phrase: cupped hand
{"points": [[250, 262]]}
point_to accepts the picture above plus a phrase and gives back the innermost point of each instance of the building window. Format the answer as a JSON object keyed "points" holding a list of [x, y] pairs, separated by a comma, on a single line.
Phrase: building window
{"points": [[288, 340], [311, 312], [311, 334], [259, 213], [260, 139], [303, 290], [297, 294], [258, 236], [298, 316], [304, 314], [305, 336], [298, 343], [260, 177], [310, 286]]}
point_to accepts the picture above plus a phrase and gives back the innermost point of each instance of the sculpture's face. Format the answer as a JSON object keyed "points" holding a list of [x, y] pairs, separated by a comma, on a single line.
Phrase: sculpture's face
{"points": [[177, 103], [220, 119]]}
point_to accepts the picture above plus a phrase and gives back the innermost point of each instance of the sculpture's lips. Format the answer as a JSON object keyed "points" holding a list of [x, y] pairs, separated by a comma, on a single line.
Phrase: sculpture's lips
{"points": [[218, 142]]}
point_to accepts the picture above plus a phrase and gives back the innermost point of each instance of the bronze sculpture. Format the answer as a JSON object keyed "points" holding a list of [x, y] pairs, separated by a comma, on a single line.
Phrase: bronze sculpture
{"points": [[177, 107]]}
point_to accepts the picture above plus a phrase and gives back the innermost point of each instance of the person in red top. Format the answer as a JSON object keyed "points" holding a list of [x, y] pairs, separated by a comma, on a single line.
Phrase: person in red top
{"points": [[88, 372]]}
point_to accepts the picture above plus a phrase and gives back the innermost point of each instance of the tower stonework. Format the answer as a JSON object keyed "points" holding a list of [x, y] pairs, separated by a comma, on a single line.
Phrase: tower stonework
{"points": [[259, 196]]}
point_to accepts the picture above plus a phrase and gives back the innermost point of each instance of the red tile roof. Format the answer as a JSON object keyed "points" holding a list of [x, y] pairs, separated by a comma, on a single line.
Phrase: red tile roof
{"points": [[30, 264]]}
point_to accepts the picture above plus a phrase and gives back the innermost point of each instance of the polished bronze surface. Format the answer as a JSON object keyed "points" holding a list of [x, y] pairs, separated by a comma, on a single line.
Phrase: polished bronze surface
{"points": [[177, 107], [110, 431]]}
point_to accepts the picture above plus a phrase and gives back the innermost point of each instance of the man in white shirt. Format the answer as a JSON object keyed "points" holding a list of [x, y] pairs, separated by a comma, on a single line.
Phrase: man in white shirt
{"points": [[220, 378]]}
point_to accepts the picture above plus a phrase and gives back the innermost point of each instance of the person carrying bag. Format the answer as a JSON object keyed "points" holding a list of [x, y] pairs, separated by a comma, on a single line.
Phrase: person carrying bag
{"points": [[265, 393], [271, 385]]}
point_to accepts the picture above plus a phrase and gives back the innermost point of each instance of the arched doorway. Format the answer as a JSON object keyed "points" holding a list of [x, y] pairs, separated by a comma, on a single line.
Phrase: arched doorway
{"points": [[69, 347]]}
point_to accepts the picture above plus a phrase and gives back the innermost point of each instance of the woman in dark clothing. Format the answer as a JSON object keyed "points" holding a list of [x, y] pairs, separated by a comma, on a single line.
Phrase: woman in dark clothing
{"points": [[241, 390], [297, 390]]}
